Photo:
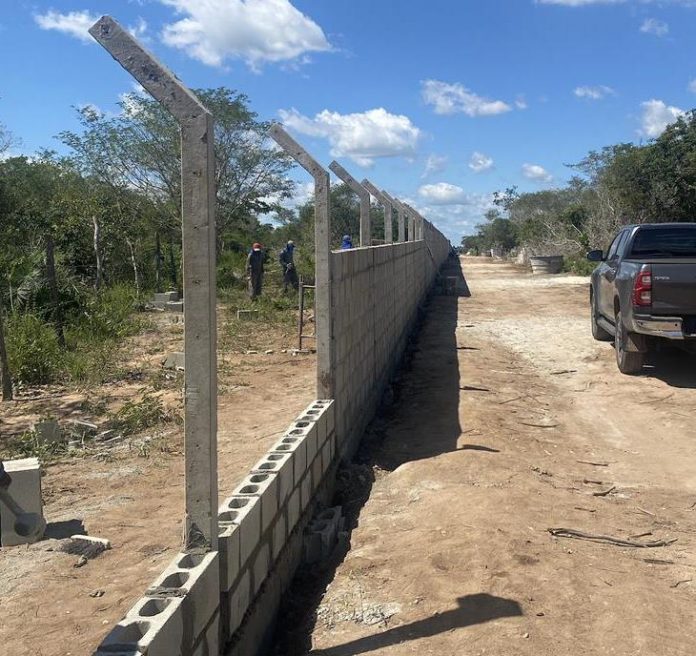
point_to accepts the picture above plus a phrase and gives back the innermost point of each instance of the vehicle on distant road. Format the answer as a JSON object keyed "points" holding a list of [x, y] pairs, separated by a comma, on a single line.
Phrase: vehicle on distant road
{"points": [[644, 290]]}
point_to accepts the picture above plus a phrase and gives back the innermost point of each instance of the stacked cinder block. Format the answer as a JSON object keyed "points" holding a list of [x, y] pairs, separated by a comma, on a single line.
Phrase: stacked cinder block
{"points": [[196, 605]]}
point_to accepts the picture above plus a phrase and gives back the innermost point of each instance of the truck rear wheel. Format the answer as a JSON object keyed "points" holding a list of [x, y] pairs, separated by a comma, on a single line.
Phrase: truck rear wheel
{"points": [[629, 362], [598, 332]]}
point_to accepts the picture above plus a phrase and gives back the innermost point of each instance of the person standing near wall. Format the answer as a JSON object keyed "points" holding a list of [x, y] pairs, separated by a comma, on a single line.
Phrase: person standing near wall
{"points": [[287, 265], [254, 271], [347, 243]]}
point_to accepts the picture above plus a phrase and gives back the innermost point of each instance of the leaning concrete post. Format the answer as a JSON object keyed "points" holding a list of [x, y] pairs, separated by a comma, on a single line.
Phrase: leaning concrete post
{"points": [[322, 257], [386, 204], [198, 216], [395, 206], [364, 195]]}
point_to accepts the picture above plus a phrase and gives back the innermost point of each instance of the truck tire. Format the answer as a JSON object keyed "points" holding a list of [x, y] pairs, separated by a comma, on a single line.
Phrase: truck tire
{"points": [[598, 332], [629, 362]]}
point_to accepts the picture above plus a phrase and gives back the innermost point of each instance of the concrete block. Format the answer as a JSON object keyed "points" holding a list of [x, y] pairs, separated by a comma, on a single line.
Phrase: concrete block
{"points": [[153, 626], [317, 471], [229, 548], [237, 601], [306, 430], [306, 491], [195, 578], [330, 413], [175, 361], [282, 465], [260, 567], [174, 306], [166, 297], [296, 446], [208, 643], [265, 487], [244, 511], [279, 536], [25, 490], [293, 508]]}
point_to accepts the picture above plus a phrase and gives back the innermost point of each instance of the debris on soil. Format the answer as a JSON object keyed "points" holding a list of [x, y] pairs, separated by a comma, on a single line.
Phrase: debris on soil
{"points": [[619, 542], [594, 464], [97, 594], [605, 493]]}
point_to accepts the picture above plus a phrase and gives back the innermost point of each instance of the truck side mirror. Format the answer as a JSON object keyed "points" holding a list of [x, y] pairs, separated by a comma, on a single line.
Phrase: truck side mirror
{"points": [[595, 256]]}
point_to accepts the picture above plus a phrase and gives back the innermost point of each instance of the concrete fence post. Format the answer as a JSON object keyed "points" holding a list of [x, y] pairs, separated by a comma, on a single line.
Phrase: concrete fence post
{"points": [[198, 217], [396, 206], [386, 204], [364, 195], [322, 259], [402, 211]]}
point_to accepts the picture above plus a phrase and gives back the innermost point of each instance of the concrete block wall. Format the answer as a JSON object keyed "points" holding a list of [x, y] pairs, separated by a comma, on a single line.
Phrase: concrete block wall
{"points": [[199, 604], [375, 297]]}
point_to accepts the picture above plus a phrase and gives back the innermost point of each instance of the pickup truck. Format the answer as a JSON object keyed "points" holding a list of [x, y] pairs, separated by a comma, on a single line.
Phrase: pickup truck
{"points": [[644, 291]]}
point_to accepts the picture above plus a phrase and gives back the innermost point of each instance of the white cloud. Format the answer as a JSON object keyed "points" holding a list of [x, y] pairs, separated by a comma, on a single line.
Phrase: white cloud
{"points": [[256, 31], [362, 136], [594, 93], [536, 173], [521, 102], [480, 162], [692, 86], [656, 116], [434, 164], [443, 193], [74, 23], [654, 26], [455, 98], [455, 220], [139, 30]]}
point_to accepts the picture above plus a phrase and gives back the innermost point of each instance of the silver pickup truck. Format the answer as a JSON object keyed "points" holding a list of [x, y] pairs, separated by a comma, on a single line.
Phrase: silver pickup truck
{"points": [[644, 290]]}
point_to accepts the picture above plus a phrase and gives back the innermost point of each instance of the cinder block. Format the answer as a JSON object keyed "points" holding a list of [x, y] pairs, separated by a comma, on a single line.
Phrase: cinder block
{"points": [[166, 297], [330, 413], [196, 577], [308, 431], [295, 445], [260, 567], [153, 626], [317, 472], [244, 511], [25, 489], [282, 465], [237, 602], [293, 508], [265, 487], [208, 643], [229, 547], [280, 535], [306, 491]]}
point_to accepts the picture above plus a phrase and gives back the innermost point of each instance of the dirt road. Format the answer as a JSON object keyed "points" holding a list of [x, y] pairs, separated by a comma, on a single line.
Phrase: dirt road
{"points": [[513, 421]]}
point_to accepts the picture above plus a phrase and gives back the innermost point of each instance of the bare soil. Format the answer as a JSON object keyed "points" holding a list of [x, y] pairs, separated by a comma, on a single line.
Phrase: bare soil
{"points": [[511, 422], [132, 492]]}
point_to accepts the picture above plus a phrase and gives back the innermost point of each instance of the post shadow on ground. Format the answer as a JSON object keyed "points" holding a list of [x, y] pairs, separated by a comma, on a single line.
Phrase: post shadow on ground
{"points": [[62, 530], [471, 609]]}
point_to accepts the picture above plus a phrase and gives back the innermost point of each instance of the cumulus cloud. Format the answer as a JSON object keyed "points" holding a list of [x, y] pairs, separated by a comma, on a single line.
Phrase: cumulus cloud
{"points": [[443, 193], [656, 116], [434, 164], [480, 162], [455, 98], [654, 26], [594, 93], [455, 220], [256, 31], [74, 23], [361, 136], [536, 173]]}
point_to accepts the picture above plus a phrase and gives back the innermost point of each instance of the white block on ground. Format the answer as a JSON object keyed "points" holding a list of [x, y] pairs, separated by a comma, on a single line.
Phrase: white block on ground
{"points": [[25, 489]]}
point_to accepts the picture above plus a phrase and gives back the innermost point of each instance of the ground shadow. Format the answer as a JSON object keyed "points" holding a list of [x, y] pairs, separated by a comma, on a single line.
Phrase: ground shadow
{"points": [[62, 530], [471, 609], [673, 366], [477, 447]]}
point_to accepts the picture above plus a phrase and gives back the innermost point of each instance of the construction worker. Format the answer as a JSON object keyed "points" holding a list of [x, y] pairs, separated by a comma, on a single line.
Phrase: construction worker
{"points": [[254, 270], [347, 243], [287, 266]]}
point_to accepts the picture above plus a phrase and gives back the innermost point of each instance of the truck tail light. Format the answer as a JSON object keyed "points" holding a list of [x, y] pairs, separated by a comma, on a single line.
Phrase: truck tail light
{"points": [[642, 287]]}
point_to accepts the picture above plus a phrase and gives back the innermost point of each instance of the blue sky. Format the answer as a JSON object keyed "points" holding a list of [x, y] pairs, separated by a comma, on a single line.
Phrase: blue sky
{"points": [[440, 102]]}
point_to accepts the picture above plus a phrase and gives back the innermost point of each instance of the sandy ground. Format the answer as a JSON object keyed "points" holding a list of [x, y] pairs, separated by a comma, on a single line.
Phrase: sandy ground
{"points": [[513, 421], [132, 493]]}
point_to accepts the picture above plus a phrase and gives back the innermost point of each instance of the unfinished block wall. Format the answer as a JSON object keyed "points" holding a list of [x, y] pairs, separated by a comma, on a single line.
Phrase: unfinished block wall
{"points": [[375, 297]]}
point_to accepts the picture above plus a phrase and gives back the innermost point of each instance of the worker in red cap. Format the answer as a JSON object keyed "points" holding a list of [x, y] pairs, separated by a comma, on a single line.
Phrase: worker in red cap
{"points": [[254, 270]]}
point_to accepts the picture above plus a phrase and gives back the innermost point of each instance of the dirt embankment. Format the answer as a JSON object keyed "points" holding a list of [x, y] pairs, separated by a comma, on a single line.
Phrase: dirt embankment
{"points": [[514, 421]]}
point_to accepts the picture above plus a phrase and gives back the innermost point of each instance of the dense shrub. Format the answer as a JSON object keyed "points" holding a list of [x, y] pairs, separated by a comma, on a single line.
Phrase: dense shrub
{"points": [[578, 265], [34, 353]]}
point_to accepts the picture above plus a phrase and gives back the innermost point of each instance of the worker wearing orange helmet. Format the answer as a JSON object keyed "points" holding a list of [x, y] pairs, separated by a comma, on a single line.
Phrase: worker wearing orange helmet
{"points": [[254, 270]]}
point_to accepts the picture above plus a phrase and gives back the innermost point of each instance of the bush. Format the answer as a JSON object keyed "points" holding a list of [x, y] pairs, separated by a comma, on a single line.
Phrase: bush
{"points": [[107, 314], [137, 416], [34, 353], [578, 265]]}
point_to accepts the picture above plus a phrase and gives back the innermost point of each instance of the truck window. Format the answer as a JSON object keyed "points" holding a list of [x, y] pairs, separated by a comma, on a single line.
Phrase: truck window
{"points": [[614, 248], [670, 241]]}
